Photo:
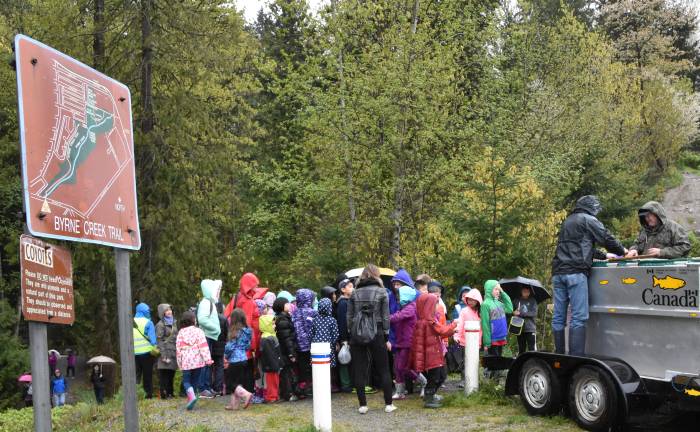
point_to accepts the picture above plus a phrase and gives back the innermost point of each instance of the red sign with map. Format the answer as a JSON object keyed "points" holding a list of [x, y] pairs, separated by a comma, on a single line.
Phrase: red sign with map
{"points": [[77, 149]]}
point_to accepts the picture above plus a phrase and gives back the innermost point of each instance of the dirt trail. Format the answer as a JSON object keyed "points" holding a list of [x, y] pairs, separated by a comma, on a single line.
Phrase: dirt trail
{"points": [[682, 203]]}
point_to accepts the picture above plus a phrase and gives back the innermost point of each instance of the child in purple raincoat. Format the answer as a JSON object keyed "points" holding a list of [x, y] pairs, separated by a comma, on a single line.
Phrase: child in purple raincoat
{"points": [[403, 322], [303, 319]]}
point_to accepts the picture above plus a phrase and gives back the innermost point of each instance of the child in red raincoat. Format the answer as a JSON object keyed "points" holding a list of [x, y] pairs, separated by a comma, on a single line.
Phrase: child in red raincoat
{"points": [[427, 349]]}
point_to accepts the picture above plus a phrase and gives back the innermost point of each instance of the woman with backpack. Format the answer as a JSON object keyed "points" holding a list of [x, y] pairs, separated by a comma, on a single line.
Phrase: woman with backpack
{"points": [[368, 325]]}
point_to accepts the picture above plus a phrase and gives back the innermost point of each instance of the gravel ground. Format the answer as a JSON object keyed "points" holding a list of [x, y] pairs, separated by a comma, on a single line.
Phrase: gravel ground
{"points": [[410, 416]]}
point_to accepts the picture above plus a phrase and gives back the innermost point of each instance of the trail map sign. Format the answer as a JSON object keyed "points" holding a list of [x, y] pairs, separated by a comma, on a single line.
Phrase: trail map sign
{"points": [[77, 149], [47, 282]]}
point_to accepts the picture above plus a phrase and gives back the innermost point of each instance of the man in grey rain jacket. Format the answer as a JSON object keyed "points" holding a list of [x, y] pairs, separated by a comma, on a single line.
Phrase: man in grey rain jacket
{"points": [[659, 237]]}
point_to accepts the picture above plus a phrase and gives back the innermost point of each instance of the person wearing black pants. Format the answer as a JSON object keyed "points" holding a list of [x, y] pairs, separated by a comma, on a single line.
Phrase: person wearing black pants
{"points": [[165, 379], [496, 350], [373, 356], [144, 368], [526, 342], [98, 384], [368, 302], [436, 377]]}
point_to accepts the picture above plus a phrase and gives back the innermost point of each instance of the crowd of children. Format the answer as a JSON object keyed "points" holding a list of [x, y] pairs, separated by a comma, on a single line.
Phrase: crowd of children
{"points": [[266, 338]]}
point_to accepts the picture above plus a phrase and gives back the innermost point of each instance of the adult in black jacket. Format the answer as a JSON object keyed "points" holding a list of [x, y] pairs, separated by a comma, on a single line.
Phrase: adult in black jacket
{"points": [[286, 337], [217, 353], [571, 266], [370, 296]]}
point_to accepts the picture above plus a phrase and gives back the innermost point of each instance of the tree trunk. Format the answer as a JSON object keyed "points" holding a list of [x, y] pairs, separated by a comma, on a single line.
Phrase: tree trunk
{"points": [[349, 179], [399, 168], [98, 42], [147, 126], [146, 68], [414, 20]]}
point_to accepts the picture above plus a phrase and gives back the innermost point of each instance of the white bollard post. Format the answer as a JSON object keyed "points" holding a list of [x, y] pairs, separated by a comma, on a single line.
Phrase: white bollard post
{"points": [[471, 356], [321, 369]]}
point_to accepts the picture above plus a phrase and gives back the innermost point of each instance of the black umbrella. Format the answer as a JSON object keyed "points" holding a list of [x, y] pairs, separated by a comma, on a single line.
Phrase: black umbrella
{"points": [[513, 286]]}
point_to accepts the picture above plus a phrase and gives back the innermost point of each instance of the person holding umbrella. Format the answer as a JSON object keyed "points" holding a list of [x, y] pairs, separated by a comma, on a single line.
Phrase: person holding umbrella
{"points": [[98, 378], [27, 392], [98, 383], [526, 308], [528, 293]]}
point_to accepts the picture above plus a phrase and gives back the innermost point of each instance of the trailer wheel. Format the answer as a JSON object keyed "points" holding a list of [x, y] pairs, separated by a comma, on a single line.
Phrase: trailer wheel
{"points": [[539, 388], [593, 399]]}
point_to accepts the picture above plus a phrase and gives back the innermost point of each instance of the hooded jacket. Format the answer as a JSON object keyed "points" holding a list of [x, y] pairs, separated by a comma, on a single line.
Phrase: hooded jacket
{"points": [[578, 236], [143, 327], [403, 277], [59, 385], [285, 332], [166, 336], [192, 349], [404, 320], [237, 348], [207, 316], [245, 300], [667, 235], [427, 348], [269, 345], [468, 314], [370, 293], [460, 304], [494, 326], [303, 318], [325, 328]]}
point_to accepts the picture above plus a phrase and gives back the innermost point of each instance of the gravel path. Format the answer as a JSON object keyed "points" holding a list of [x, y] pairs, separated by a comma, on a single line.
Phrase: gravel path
{"points": [[411, 416]]}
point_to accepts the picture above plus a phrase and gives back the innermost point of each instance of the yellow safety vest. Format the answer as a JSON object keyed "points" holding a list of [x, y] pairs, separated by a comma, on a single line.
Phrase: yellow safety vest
{"points": [[141, 344]]}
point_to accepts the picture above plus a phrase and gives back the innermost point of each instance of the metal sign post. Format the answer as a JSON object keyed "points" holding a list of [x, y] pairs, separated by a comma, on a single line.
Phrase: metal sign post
{"points": [[126, 340], [40, 376]]}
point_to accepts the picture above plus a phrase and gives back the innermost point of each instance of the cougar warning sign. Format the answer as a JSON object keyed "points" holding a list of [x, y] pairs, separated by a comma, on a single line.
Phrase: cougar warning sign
{"points": [[77, 149], [47, 282]]}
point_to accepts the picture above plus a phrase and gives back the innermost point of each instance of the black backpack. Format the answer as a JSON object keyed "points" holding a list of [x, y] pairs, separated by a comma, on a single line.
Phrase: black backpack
{"points": [[364, 329]]}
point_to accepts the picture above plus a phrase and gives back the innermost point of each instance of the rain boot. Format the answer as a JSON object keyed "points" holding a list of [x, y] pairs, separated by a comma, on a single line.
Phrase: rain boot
{"points": [[191, 398], [400, 392], [559, 341], [409, 386], [235, 402], [244, 395], [577, 341], [422, 380], [429, 401]]}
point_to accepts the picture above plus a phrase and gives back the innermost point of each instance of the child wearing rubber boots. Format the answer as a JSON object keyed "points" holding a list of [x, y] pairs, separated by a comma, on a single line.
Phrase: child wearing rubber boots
{"points": [[427, 349]]}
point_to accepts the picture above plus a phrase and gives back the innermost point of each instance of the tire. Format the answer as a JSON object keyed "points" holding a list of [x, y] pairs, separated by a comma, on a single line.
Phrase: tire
{"points": [[539, 388], [593, 399]]}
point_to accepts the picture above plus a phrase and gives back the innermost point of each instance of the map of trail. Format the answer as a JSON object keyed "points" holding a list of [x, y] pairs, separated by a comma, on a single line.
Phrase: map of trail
{"points": [[87, 126]]}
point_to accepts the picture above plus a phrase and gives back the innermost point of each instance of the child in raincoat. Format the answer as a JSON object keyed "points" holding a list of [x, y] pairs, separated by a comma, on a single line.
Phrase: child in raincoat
{"points": [[303, 318], [427, 347], [239, 339], [403, 321], [270, 361], [494, 326], [192, 354], [325, 329]]}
